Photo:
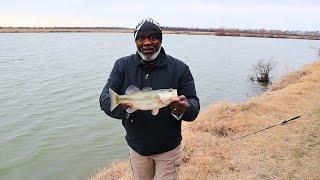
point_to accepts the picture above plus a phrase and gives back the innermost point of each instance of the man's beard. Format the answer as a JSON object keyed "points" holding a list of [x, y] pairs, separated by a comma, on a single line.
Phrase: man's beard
{"points": [[153, 57]]}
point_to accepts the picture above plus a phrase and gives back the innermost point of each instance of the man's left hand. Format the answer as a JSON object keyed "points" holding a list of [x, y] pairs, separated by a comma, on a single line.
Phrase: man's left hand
{"points": [[180, 106]]}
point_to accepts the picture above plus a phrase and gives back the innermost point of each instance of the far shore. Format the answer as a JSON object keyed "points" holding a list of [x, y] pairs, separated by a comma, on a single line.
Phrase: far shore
{"points": [[215, 32], [62, 30]]}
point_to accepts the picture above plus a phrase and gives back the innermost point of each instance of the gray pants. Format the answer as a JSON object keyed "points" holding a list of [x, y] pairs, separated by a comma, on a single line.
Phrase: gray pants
{"points": [[163, 166]]}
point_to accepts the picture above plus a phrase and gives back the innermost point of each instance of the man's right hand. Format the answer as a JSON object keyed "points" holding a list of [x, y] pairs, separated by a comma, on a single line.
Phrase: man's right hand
{"points": [[127, 106]]}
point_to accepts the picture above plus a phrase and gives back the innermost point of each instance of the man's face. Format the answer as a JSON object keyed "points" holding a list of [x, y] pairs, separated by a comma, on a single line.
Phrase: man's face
{"points": [[148, 44]]}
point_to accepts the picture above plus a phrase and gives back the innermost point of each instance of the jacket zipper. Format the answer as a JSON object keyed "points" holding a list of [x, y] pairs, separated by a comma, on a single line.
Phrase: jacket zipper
{"points": [[147, 83]]}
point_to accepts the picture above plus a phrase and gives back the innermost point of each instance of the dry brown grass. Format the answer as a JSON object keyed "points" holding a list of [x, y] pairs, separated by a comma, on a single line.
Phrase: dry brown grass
{"points": [[283, 152], [117, 170]]}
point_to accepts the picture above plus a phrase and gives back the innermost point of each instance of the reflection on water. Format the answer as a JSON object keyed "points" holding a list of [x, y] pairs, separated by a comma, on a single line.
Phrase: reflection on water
{"points": [[51, 123]]}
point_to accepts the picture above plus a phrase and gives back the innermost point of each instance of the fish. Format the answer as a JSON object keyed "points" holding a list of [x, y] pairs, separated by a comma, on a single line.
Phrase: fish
{"points": [[145, 99]]}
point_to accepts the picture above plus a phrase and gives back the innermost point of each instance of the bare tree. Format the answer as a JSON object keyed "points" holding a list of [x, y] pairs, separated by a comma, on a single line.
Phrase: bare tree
{"points": [[261, 71]]}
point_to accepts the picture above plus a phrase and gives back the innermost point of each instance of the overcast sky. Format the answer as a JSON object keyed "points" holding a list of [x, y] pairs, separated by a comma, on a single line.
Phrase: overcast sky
{"points": [[244, 14]]}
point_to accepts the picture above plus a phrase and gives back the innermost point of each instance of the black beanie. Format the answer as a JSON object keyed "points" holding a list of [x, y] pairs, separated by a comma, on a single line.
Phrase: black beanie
{"points": [[149, 26]]}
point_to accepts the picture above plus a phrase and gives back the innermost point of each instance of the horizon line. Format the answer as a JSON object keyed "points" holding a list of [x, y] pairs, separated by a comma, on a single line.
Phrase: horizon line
{"points": [[163, 27]]}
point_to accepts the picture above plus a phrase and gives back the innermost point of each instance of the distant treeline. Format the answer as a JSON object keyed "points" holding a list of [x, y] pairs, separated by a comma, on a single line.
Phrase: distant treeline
{"points": [[22, 27], [188, 29], [315, 35], [234, 31]]}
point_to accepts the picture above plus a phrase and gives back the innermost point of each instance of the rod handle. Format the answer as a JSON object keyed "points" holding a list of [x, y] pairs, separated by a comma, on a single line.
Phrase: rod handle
{"points": [[284, 122]]}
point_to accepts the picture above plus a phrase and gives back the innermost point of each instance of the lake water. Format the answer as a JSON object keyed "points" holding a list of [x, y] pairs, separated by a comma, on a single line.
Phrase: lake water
{"points": [[51, 126]]}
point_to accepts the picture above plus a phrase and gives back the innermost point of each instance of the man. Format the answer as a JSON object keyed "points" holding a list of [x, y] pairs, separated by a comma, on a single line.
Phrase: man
{"points": [[154, 140]]}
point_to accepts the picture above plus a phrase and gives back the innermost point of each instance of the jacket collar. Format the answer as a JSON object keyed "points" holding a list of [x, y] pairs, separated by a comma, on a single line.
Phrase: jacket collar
{"points": [[160, 61]]}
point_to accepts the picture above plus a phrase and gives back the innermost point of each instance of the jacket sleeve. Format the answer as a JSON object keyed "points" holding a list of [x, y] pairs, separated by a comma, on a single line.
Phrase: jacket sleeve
{"points": [[114, 82], [187, 88]]}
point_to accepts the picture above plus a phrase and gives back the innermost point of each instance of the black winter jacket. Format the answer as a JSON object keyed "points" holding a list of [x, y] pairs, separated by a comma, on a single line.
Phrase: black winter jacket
{"points": [[148, 134]]}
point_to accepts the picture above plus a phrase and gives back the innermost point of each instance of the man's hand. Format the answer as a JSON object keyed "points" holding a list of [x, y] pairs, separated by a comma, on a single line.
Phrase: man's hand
{"points": [[127, 105], [179, 107]]}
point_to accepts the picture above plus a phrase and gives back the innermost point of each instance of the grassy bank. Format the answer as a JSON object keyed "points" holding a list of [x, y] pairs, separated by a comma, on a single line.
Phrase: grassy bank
{"points": [[291, 151]]}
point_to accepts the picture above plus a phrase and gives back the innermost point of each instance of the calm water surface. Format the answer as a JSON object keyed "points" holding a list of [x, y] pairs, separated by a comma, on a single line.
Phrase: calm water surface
{"points": [[51, 126]]}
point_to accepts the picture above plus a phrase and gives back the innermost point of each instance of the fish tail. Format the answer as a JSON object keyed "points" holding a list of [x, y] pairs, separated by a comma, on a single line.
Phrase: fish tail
{"points": [[114, 99]]}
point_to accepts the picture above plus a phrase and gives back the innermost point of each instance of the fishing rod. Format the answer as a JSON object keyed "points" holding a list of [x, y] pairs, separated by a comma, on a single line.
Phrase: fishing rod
{"points": [[281, 123]]}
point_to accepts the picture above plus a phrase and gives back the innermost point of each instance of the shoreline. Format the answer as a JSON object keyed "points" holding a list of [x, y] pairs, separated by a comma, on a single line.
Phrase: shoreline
{"points": [[64, 30], [290, 151], [218, 32]]}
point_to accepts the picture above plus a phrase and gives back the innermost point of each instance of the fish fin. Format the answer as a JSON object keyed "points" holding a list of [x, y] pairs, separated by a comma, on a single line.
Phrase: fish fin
{"points": [[132, 89], [114, 99], [131, 110], [154, 111], [146, 89]]}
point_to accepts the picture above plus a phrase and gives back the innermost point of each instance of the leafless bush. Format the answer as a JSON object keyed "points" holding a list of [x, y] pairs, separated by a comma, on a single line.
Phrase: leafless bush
{"points": [[261, 71]]}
